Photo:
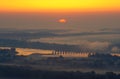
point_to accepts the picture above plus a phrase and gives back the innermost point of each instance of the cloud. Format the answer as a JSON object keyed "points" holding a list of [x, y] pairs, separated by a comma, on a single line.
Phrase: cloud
{"points": [[96, 46]]}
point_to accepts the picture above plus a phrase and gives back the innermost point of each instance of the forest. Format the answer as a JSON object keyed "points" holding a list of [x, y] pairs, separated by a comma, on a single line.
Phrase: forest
{"points": [[24, 72]]}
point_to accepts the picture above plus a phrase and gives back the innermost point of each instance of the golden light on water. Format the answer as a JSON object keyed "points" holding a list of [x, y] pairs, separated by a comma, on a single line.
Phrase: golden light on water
{"points": [[27, 51]]}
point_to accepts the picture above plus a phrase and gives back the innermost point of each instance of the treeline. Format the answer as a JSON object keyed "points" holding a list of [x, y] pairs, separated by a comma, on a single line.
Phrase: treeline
{"points": [[21, 72]]}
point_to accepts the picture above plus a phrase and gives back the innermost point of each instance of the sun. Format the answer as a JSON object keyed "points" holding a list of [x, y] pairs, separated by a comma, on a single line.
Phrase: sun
{"points": [[62, 20]]}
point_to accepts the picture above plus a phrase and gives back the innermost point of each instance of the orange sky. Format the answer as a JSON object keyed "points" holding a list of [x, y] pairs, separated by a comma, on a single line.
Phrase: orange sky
{"points": [[59, 5]]}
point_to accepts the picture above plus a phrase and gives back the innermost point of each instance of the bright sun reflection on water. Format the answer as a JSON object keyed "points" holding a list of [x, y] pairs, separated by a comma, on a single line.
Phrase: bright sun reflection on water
{"points": [[46, 53], [27, 51]]}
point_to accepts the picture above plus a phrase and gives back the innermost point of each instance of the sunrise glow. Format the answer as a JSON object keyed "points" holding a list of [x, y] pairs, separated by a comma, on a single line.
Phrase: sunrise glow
{"points": [[58, 5], [62, 20]]}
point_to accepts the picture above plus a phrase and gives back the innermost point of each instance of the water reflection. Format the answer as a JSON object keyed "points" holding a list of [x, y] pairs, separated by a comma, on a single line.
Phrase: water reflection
{"points": [[48, 53], [27, 51]]}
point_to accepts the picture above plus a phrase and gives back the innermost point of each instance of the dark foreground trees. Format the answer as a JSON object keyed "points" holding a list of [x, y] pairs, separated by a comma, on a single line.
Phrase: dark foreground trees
{"points": [[22, 72]]}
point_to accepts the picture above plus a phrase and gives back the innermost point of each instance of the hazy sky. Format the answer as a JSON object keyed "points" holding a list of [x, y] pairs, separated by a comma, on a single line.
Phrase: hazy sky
{"points": [[50, 21], [44, 14]]}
